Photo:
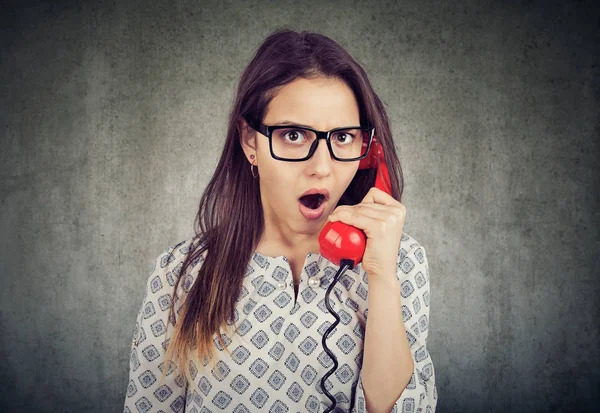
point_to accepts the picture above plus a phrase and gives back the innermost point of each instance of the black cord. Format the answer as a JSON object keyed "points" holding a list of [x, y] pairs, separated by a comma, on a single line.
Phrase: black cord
{"points": [[344, 265]]}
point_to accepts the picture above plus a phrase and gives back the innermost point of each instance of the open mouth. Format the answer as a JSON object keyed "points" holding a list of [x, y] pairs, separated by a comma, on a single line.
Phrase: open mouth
{"points": [[313, 201]]}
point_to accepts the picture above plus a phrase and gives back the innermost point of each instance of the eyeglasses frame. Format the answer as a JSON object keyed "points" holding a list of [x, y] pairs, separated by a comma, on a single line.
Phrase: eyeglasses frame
{"points": [[268, 131]]}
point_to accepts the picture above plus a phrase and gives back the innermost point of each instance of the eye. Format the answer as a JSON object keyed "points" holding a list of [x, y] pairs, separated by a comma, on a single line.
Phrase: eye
{"points": [[346, 138], [294, 134]]}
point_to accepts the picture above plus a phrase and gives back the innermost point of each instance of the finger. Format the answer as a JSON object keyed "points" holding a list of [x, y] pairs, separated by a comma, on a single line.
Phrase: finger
{"points": [[397, 209], [362, 205], [361, 221], [377, 196], [370, 210]]}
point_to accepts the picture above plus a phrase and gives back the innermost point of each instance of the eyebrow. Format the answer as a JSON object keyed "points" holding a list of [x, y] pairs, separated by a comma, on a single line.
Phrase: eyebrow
{"points": [[288, 122]]}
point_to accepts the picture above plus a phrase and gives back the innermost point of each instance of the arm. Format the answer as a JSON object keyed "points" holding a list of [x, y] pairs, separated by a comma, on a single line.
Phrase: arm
{"points": [[145, 390], [397, 372]]}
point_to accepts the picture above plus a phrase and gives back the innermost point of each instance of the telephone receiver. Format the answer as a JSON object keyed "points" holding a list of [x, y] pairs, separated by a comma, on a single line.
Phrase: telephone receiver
{"points": [[342, 241]]}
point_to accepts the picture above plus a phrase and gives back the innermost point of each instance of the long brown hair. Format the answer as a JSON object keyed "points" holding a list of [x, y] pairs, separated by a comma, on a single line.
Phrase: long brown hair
{"points": [[229, 223]]}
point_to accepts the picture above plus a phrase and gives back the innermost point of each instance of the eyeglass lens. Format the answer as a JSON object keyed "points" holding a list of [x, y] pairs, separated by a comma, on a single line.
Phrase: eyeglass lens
{"points": [[295, 143]]}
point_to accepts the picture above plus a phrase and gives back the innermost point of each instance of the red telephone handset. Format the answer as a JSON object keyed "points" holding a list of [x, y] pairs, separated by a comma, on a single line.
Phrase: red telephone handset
{"points": [[338, 240]]}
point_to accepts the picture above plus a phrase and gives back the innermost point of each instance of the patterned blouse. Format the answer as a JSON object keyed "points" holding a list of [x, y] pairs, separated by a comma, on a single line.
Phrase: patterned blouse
{"points": [[277, 359]]}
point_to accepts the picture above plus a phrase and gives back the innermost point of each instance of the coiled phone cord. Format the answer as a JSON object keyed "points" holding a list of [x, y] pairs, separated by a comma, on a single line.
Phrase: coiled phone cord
{"points": [[344, 265]]}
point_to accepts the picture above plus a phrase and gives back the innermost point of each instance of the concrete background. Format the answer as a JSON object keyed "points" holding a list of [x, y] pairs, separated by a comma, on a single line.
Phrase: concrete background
{"points": [[112, 117]]}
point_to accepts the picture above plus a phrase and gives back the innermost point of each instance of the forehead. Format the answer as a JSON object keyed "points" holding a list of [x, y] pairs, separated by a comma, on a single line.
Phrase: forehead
{"points": [[320, 103]]}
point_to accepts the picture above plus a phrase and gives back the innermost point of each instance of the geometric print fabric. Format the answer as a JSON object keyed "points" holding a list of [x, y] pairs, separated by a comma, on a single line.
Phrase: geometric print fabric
{"points": [[277, 360]]}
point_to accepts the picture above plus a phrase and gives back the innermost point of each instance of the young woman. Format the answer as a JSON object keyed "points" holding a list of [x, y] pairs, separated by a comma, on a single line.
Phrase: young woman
{"points": [[246, 296]]}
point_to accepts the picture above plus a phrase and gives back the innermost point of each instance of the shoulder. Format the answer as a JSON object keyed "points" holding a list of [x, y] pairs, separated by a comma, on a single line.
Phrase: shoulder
{"points": [[410, 246], [412, 258], [171, 258], [168, 268]]}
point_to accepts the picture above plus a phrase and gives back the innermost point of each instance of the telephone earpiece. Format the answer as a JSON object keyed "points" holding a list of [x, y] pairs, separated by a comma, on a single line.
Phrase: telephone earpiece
{"points": [[342, 241]]}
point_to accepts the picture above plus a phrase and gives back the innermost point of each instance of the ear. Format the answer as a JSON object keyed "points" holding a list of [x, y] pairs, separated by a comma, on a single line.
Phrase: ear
{"points": [[247, 138]]}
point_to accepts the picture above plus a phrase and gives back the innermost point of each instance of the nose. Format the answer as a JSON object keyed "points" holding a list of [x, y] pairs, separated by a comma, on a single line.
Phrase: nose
{"points": [[321, 158]]}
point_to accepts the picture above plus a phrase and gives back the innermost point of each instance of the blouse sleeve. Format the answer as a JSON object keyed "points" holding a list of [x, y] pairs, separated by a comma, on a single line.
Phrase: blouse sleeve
{"points": [[145, 390], [420, 395]]}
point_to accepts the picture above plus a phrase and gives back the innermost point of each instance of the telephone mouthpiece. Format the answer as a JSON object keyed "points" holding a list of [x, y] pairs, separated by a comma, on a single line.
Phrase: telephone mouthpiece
{"points": [[340, 241]]}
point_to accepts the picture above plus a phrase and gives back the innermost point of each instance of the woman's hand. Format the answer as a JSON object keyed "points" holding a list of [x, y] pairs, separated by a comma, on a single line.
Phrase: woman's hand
{"points": [[381, 218]]}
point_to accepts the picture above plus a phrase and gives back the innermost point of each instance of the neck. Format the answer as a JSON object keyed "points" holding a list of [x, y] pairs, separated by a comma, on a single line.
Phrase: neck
{"points": [[275, 248], [278, 238]]}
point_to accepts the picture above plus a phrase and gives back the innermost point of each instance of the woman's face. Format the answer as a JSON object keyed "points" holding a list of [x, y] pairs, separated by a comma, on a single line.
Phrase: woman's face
{"points": [[322, 104]]}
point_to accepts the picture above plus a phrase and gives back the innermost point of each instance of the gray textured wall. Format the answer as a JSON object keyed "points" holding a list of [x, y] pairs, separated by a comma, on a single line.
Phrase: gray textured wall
{"points": [[113, 115]]}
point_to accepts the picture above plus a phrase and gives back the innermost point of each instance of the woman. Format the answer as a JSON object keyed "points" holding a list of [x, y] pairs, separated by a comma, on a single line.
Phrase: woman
{"points": [[249, 288]]}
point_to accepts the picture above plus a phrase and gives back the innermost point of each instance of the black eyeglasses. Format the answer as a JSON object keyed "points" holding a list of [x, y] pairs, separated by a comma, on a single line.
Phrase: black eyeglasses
{"points": [[298, 143]]}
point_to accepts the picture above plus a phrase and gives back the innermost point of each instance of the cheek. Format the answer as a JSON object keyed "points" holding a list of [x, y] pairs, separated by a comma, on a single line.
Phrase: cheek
{"points": [[348, 175], [279, 183]]}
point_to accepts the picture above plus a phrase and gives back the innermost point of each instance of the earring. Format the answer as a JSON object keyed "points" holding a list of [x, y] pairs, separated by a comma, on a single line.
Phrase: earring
{"points": [[252, 167]]}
